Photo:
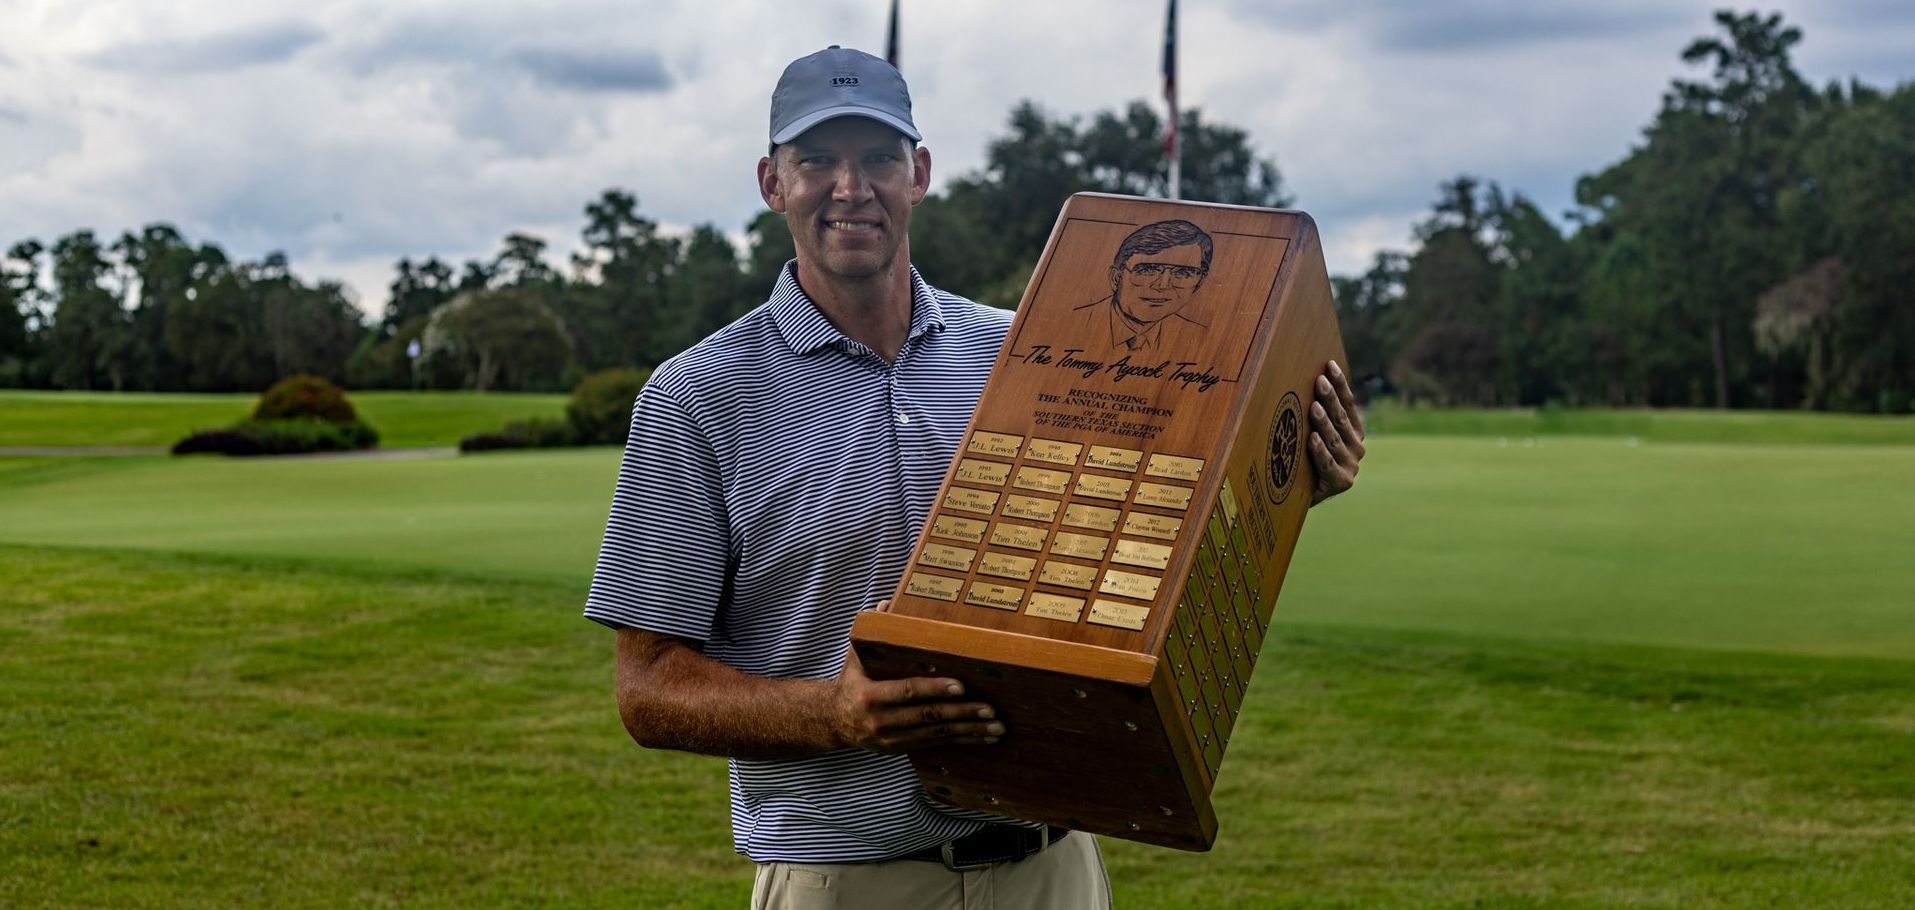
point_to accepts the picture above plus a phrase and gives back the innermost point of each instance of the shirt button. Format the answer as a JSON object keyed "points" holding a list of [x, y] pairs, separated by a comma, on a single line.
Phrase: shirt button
{"points": [[903, 417]]}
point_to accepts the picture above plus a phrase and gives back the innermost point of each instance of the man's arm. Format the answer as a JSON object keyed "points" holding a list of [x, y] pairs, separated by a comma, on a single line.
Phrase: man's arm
{"points": [[1336, 437], [671, 696]]}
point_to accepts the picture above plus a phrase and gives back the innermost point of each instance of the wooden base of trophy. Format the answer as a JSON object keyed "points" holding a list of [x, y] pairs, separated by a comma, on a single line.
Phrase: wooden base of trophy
{"points": [[1106, 550]]}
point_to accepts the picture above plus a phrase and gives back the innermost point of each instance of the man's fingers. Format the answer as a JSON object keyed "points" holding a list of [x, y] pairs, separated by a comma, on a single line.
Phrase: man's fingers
{"points": [[917, 688], [1347, 397], [935, 723], [1337, 418]]}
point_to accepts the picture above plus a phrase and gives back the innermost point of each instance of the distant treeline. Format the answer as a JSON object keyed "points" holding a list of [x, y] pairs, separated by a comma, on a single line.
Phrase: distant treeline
{"points": [[1756, 249]]}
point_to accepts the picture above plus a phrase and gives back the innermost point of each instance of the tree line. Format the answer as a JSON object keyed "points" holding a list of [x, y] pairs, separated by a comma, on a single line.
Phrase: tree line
{"points": [[1755, 249]]}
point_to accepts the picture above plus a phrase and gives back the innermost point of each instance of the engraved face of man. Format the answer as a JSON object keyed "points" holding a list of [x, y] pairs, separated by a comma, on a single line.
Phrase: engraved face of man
{"points": [[1159, 284], [1158, 269]]}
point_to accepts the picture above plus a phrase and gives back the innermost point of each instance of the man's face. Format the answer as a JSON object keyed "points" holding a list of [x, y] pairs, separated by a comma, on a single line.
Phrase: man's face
{"points": [[1154, 285], [846, 188]]}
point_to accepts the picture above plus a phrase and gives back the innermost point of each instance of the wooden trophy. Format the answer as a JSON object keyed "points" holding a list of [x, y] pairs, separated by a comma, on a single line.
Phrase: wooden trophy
{"points": [[1106, 549]]}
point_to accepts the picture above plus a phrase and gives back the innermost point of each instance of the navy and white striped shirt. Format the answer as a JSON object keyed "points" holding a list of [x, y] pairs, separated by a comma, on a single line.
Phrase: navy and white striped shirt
{"points": [[776, 478]]}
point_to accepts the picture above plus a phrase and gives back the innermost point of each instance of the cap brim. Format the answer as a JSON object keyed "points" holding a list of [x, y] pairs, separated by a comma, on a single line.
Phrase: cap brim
{"points": [[798, 126]]}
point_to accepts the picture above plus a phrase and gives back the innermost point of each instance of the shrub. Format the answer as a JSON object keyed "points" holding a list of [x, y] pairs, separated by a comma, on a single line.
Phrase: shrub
{"points": [[601, 406], [228, 441], [280, 437], [536, 433], [304, 395]]}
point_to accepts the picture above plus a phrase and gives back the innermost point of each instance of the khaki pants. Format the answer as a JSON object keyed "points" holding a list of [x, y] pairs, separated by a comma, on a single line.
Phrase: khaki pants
{"points": [[1067, 876]]}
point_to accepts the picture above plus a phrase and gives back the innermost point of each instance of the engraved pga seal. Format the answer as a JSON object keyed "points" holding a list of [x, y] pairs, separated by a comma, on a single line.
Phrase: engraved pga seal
{"points": [[1285, 436]]}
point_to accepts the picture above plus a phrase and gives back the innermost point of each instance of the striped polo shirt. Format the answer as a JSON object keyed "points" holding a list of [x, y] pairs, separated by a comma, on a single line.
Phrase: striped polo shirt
{"points": [[774, 484]]}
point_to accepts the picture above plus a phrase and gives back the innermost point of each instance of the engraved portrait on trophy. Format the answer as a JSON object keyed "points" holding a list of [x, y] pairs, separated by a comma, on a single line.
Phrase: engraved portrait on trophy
{"points": [[1173, 306], [1154, 280]]}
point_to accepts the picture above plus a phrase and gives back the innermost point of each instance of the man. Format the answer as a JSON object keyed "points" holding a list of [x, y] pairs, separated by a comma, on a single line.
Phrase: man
{"points": [[775, 479], [1156, 272]]}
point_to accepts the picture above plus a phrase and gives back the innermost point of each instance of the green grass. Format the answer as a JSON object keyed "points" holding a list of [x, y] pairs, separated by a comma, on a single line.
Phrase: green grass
{"points": [[1550, 670], [182, 731], [403, 419], [519, 514], [1389, 418], [1774, 548]]}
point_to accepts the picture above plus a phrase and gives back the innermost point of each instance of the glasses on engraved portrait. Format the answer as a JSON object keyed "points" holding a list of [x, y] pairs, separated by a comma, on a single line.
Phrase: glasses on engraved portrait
{"points": [[1174, 275]]}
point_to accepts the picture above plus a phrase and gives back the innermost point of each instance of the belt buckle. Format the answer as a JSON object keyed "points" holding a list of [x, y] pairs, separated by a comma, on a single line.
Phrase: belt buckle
{"points": [[947, 853]]}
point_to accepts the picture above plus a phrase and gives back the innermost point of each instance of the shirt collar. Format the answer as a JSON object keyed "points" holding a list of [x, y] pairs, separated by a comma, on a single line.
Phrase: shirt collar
{"points": [[806, 329]]}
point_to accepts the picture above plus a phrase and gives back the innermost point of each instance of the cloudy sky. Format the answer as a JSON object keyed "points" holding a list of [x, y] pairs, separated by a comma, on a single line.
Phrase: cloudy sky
{"points": [[349, 134]]}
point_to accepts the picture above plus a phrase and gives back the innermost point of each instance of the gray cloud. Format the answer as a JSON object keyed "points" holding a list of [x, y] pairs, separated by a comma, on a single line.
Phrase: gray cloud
{"points": [[1471, 25], [596, 69], [212, 52]]}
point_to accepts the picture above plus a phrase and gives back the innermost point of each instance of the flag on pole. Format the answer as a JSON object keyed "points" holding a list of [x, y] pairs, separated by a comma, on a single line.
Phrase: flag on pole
{"points": [[891, 38], [1170, 97]]}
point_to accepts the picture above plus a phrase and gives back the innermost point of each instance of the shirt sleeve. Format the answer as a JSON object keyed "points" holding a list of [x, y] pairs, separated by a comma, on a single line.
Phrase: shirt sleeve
{"points": [[666, 555]]}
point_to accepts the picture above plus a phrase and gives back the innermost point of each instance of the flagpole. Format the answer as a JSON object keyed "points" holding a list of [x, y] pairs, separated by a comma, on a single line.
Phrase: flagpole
{"points": [[891, 38], [1173, 142]]}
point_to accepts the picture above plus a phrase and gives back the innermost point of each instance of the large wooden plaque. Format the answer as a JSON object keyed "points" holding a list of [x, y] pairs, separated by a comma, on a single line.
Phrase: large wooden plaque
{"points": [[1103, 558]]}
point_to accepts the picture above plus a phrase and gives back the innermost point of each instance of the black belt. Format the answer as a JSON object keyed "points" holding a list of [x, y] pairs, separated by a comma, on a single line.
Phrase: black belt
{"points": [[990, 844]]}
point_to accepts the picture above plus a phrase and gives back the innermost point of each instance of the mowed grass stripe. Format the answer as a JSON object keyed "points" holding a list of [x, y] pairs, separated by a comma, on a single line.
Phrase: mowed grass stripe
{"points": [[1768, 548], [537, 515], [200, 732], [1775, 548], [136, 419], [1742, 427]]}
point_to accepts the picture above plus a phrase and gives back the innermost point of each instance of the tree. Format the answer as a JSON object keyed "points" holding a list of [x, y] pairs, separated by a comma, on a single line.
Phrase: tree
{"points": [[522, 262], [768, 239], [248, 325], [1365, 310], [90, 343], [616, 318], [20, 298], [1446, 322], [982, 237], [160, 269], [1694, 212], [505, 339], [416, 291], [1859, 204], [704, 290]]}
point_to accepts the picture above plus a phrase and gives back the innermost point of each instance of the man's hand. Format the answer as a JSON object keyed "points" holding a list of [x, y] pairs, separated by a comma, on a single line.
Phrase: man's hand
{"points": [[898, 715], [1336, 434]]}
